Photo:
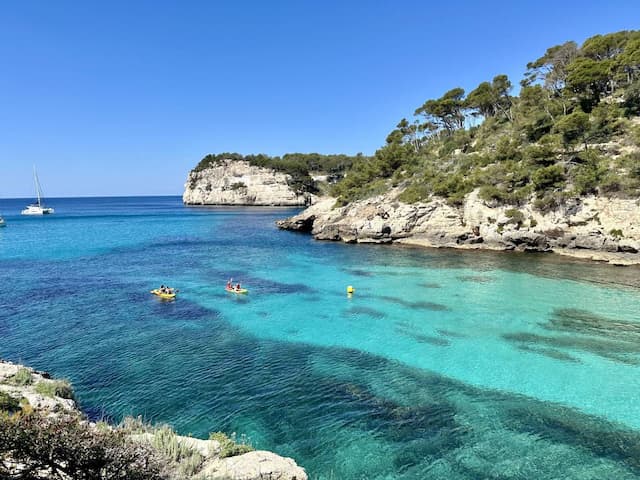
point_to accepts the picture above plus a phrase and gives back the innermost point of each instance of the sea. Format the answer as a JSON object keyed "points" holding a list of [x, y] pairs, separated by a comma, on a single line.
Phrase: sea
{"points": [[442, 364]]}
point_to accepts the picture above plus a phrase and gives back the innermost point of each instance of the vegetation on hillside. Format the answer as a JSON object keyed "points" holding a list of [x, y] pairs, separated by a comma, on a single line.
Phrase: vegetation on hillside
{"points": [[299, 166], [570, 132]]}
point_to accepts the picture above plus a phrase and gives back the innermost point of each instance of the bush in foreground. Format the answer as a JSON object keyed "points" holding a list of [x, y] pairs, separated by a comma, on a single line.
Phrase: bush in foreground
{"points": [[65, 447]]}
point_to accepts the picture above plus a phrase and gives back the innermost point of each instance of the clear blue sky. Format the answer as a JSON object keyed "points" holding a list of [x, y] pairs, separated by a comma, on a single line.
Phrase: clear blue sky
{"points": [[125, 97]]}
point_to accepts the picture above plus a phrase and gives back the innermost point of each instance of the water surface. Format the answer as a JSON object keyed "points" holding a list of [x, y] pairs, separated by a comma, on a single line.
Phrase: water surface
{"points": [[444, 364]]}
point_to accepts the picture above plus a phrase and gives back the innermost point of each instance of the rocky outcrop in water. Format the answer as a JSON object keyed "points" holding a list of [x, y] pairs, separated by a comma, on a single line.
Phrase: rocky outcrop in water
{"points": [[597, 228], [236, 182]]}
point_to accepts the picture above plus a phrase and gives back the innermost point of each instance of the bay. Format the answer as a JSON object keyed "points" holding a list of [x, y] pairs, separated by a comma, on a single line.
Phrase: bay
{"points": [[443, 364]]}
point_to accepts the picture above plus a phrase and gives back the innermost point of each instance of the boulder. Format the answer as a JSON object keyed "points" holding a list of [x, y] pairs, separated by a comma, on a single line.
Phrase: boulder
{"points": [[257, 465]]}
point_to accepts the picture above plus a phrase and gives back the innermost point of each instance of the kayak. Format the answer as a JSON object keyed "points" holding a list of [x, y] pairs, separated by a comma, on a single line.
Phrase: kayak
{"points": [[233, 290], [163, 295]]}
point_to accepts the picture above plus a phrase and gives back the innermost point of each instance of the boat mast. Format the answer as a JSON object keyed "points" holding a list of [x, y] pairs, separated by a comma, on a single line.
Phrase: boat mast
{"points": [[35, 179]]}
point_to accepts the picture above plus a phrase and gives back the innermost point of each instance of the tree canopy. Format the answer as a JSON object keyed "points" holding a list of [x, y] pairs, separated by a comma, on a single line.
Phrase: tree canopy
{"points": [[542, 144]]}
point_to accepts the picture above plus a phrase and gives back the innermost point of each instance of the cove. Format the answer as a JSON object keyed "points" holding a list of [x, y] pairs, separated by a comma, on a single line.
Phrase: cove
{"points": [[442, 365]]}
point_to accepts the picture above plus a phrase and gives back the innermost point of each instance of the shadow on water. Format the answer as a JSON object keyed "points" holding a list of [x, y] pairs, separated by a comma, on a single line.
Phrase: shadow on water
{"points": [[452, 334], [610, 338], [418, 305], [588, 323], [618, 351], [357, 272], [357, 311], [549, 352], [421, 338]]}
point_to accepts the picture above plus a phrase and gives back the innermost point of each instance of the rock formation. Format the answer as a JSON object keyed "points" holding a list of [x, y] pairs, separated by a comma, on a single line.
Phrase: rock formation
{"points": [[599, 228], [234, 182]]}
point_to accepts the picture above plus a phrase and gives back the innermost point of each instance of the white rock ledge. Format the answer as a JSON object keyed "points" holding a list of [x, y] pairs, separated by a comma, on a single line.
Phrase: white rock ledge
{"points": [[596, 228]]}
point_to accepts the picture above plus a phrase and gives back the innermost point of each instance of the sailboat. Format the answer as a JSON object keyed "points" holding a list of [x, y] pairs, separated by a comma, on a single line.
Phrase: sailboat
{"points": [[2, 222], [37, 208]]}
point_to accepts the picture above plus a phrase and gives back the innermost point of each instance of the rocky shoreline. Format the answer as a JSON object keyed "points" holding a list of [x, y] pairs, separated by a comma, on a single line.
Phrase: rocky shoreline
{"points": [[596, 228], [36, 391]]}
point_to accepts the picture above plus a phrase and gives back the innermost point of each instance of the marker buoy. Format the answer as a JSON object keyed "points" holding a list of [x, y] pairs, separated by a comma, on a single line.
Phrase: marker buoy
{"points": [[350, 289]]}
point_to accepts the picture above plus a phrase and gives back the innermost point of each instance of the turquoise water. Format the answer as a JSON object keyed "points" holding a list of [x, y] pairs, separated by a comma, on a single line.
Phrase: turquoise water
{"points": [[444, 364]]}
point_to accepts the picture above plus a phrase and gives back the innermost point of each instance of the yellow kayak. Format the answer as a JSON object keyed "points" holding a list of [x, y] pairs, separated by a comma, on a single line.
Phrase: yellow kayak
{"points": [[163, 295], [234, 290]]}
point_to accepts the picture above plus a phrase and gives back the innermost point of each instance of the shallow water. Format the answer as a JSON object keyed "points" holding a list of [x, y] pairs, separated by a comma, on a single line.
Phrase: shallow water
{"points": [[444, 364]]}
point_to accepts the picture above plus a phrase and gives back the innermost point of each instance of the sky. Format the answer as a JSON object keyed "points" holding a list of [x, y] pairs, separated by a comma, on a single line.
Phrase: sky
{"points": [[125, 97]]}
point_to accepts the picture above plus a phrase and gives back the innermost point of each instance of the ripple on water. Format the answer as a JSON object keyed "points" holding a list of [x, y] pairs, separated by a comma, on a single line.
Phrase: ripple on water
{"points": [[199, 364]]}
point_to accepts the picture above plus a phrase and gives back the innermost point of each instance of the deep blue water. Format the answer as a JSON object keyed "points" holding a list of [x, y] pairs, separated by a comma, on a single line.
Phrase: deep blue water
{"points": [[444, 364]]}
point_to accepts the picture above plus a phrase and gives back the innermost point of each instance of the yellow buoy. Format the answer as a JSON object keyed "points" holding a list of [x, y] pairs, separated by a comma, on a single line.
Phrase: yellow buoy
{"points": [[350, 289]]}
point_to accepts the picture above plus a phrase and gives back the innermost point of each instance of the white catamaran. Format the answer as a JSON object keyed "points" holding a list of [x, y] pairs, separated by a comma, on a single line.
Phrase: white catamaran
{"points": [[37, 208]]}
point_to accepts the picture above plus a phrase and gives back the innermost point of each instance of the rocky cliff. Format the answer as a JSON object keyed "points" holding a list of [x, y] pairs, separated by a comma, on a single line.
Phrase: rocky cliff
{"points": [[234, 182], [61, 434], [598, 228]]}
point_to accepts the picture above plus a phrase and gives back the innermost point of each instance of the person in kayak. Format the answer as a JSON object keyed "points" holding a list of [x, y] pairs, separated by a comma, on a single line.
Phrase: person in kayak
{"points": [[238, 288], [230, 284]]}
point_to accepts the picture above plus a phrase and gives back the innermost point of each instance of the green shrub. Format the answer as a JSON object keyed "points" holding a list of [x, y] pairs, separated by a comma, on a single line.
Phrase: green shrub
{"points": [[166, 442], [490, 193], [229, 447], [632, 99], [616, 233], [55, 388], [515, 216], [549, 201], [532, 222], [548, 177], [416, 192], [589, 174], [238, 186], [22, 377], [543, 155], [67, 447], [8, 403]]}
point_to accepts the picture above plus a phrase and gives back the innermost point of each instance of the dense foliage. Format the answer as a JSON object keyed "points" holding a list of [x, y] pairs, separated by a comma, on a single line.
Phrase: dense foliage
{"points": [[298, 165], [67, 447], [571, 131]]}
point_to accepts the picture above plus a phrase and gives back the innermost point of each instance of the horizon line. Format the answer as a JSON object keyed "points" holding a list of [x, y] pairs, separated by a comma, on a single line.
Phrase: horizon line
{"points": [[95, 196]]}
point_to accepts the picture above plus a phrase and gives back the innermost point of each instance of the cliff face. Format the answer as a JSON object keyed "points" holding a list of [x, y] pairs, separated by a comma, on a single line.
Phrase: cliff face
{"points": [[239, 183], [598, 228]]}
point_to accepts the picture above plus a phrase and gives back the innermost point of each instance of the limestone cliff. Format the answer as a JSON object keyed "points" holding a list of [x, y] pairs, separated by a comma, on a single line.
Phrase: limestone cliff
{"points": [[236, 182], [599, 228]]}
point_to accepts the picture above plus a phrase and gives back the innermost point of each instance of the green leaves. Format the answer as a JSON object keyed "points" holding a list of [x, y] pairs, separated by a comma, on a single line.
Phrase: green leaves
{"points": [[446, 112], [573, 127]]}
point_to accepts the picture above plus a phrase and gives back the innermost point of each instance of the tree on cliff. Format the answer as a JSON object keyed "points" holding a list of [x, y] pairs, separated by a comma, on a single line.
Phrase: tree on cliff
{"points": [[538, 146]]}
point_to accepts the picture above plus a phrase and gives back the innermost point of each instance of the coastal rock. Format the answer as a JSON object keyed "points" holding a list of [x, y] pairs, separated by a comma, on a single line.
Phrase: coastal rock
{"points": [[608, 226], [50, 403], [236, 182], [257, 465]]}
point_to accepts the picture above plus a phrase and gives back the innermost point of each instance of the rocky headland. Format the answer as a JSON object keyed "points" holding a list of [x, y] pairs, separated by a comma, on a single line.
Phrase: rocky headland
{"points": [[597, 228], [44, 435], [237, 182]]}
